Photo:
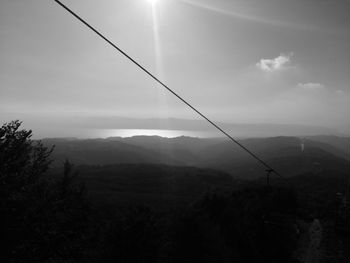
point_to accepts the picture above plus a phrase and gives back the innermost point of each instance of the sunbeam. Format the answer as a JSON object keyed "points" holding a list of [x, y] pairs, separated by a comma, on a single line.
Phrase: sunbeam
{"points": [[152, 2], [234, 14], [251, 18], [162, 96]]}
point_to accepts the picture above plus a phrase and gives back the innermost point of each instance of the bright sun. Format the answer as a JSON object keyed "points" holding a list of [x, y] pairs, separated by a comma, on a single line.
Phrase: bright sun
{"points": [[152, 2]]}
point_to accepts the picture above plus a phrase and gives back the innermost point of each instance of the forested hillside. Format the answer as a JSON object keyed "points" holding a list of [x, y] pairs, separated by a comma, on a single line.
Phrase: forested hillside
{"points": [[160, 213]]}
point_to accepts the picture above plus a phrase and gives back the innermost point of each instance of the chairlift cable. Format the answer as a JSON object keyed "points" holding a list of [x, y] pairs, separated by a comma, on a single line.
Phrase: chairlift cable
{"points": [[269, 169]]}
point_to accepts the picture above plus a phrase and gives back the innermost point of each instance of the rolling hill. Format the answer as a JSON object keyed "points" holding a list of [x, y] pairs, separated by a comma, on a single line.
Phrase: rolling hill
{"points": [[289, 155]]}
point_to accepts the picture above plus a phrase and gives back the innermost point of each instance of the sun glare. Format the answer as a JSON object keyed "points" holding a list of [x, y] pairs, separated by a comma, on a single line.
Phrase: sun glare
{"points": [[143, 132], [152, 2]]}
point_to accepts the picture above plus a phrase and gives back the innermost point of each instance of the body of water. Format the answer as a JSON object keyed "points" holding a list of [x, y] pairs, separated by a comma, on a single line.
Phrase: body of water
{"points": [[105, 133]]}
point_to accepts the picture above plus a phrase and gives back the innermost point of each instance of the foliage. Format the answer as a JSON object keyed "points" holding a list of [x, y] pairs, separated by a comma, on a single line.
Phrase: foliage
{"points": [[46, 217], [41, 217], [247, 226], [22, 161]]}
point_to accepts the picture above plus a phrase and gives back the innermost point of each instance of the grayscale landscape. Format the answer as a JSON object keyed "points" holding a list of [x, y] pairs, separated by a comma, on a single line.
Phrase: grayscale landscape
{"points": [[174, 131]]}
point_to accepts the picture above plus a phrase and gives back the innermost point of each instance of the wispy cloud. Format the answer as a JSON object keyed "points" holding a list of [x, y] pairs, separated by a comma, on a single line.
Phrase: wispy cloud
{"points": [[275, 64], [229, 12], [311, 86], [254, 18]]}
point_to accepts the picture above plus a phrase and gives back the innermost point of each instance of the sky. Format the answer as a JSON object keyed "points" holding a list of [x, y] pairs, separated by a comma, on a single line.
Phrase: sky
{"points": [[237, 61]]}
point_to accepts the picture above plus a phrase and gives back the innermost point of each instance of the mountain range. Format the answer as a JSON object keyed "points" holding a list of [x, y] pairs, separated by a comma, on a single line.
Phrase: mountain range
{"points": [[288, 155]]}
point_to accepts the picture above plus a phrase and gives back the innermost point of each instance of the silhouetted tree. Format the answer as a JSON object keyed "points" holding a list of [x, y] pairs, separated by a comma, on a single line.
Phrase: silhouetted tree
{"points": [[22, 161], [42, 218], [48, 219]]}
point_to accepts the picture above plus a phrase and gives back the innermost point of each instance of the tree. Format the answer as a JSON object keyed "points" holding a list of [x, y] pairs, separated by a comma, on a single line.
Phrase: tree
{"points": [[42, 216], [22, 162]]}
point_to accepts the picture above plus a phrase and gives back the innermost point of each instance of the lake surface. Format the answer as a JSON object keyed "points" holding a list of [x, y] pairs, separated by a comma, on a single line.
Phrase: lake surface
{"points": [[105, 133], [49, 132]]}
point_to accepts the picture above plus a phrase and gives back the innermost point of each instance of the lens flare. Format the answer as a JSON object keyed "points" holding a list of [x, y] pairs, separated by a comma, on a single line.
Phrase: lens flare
{"points": [[163, 111], [152, 2]]}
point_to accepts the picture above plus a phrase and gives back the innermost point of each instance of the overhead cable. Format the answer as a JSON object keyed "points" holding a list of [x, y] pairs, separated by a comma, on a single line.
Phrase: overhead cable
{"points": [[269, 169]]}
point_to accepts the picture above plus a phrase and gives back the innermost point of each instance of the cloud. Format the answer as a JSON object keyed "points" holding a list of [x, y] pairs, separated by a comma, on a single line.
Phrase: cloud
{"points": [[311, 86], [279, 63]]}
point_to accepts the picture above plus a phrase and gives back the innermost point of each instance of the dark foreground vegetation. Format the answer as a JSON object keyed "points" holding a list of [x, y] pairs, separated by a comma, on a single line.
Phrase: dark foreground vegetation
{"points": [[155, 213]]}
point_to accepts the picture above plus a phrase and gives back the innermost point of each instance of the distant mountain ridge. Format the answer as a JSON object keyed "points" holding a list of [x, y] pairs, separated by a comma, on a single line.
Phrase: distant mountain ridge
{"points": [[340, 142], [102, 126], [289, 155], [236, 129]]}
